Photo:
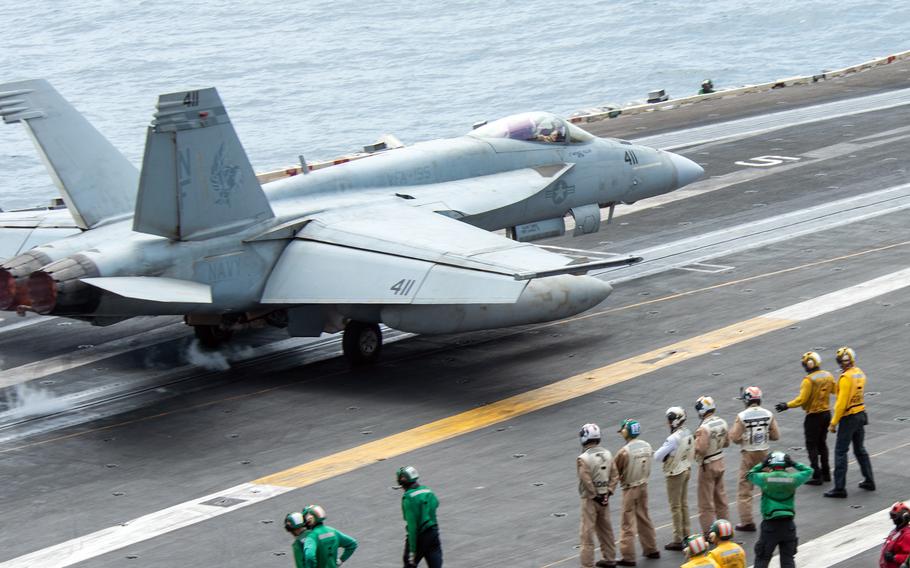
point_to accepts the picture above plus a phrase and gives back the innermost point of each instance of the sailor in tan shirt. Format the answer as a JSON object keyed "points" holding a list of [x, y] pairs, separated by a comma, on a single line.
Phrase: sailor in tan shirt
{"points": [[597, 476], [633, 464], [753, 429], [711, 438]]}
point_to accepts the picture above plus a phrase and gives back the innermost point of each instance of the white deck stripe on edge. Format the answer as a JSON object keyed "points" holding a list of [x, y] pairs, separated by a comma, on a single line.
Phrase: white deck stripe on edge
{"points": [[843, 543], [191, 512]]}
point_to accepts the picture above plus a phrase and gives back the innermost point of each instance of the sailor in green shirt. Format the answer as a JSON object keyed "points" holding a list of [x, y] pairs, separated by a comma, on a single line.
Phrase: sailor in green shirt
{"points": [[778, 488], [418, 506], [316, 544], [294, 524]]}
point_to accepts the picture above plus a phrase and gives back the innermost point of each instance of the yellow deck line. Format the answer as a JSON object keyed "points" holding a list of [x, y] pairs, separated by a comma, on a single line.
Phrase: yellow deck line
{"points": [[520, 404]]}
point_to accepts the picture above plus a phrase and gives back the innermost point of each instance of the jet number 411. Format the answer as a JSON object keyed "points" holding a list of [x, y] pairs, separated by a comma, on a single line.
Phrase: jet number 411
{"points": [[402, 287]]}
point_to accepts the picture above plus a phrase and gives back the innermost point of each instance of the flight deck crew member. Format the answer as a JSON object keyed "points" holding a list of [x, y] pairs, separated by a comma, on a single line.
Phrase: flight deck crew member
{"points": [[596, 475], [711, 437], [321, 542], [849, 421], [753, 429], [726, 553], [697, 553], [814, 393], [896, 550], [778, 486], [418, 507], [633, 464], [294, 524], [676, 455]]}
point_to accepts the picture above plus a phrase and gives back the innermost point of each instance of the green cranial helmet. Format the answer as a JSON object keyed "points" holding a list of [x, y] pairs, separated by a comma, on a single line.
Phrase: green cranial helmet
{"points": [[631, 426], [294, 521], [407, 474], [313, 515], [777, 460]]}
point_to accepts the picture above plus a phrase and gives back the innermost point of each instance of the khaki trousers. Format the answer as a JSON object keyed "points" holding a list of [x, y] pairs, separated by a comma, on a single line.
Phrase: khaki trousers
{"points": [[744, 493], [635, 518], [595, 520], [678, 495], [712, 497]]}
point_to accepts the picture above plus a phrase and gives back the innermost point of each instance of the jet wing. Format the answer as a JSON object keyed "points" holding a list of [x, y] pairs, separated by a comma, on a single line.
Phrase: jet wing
{"points": [[398, 254], [26, 229]]}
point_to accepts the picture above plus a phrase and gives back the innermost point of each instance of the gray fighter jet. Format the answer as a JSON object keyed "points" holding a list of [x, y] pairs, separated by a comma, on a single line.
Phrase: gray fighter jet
{"points": [[402, 237]]}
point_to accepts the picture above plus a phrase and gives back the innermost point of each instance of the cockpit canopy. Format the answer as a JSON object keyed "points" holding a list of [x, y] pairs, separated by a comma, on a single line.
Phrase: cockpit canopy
{"points": [[534, 127]]}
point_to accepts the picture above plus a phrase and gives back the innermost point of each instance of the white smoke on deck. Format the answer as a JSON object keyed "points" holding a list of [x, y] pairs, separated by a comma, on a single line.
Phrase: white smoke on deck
{"points": [[24, 400], [219, 360]]}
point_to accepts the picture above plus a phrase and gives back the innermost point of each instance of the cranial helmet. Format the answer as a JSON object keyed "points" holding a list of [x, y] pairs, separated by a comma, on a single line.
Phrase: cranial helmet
{"points": [[676, 416], [846, 357], [811, 361], [294, 521], [589, 433], [407, 474], [704, 405], [631, 426], [722, 529], [696, 545], [777, 460], [751, 395], [900, 513], [313, 515]]}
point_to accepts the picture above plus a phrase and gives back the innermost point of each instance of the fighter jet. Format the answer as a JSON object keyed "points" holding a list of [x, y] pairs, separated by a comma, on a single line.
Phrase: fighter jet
{"points": [[403, 237]]}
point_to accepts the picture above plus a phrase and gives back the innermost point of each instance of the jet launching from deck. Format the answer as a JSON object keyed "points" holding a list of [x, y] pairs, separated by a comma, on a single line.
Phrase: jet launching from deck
{"points": [[402, 237]]}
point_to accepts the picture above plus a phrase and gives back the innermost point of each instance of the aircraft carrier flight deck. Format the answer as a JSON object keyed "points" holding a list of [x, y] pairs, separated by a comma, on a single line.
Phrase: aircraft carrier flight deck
{"points": [[795, 240]]}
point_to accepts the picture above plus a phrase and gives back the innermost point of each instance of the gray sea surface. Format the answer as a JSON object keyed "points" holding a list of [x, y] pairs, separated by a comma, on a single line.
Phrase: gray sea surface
{"points": [[323, 78]]}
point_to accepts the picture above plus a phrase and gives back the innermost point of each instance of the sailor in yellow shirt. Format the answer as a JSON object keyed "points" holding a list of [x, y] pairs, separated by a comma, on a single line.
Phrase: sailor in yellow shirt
{"points": [[849, 421], [697, 553], [726, 553], [814, 398]]}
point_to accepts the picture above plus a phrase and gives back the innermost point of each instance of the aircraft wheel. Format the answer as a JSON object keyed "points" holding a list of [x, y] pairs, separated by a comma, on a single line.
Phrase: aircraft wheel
{"points": [[212, 336], [362, 343]]}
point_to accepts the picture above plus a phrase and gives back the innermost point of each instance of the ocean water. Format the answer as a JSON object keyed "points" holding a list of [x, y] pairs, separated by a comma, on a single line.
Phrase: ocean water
{"points": [[323, 78]]}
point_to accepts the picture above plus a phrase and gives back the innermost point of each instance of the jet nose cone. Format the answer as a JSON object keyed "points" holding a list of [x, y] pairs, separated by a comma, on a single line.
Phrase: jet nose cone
{"points": [[687, 171]]}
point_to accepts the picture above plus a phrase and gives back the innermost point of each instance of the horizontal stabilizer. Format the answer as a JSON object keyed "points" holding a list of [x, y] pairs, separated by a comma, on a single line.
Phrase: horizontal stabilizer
{"points": [[196, 180], [96, 181], [154, 289]]}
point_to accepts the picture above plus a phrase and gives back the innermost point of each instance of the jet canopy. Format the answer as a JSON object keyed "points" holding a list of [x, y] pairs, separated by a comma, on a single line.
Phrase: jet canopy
{"points": [[534, 127]]}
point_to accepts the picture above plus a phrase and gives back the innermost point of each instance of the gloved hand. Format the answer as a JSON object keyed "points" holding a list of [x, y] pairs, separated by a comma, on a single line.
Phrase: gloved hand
{"points": [[788, 461], [832, 428], [889, 556], [412, 560], [781, 406]]}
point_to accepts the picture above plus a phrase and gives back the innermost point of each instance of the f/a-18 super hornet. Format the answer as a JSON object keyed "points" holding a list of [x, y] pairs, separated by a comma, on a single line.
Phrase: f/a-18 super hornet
{"points": [[403, 237]]}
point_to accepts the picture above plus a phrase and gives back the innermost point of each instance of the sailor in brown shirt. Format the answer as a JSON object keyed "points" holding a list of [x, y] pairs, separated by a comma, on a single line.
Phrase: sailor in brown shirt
{"points": [[754, 429], [633, 464], [711, 438], [597, 476]]}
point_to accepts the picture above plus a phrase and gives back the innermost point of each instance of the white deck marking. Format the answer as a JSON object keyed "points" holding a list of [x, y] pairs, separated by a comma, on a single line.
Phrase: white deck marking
{"points": [[843, 543], [25, 323], [137, 530], [191, 512], [775, 121]]}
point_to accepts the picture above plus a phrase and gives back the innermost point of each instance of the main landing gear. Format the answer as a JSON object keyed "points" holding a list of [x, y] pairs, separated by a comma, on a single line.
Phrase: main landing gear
{"points": [[362, 343], [212, 336]]}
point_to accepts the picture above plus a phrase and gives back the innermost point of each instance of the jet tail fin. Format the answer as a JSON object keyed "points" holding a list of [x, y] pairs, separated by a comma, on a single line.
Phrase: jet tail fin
{"points": [[97, 182], [196, 179]]}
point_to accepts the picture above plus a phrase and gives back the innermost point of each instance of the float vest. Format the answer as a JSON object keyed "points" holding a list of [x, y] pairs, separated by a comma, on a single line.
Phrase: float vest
{"points": [[599, 461], [681, 459], [757, 421]]}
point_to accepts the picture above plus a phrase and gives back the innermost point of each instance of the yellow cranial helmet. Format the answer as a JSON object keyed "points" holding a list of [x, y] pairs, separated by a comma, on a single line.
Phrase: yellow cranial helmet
{"points": [[811, 360], [846, 357]]}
